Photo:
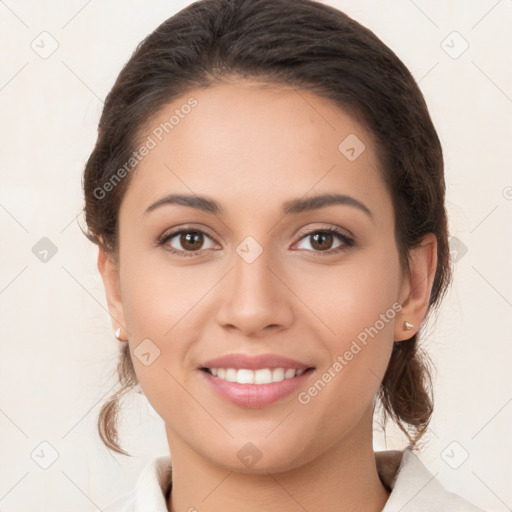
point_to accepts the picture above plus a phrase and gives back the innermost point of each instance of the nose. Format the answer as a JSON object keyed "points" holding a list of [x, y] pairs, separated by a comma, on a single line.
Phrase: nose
{"points": [[257, 298]]}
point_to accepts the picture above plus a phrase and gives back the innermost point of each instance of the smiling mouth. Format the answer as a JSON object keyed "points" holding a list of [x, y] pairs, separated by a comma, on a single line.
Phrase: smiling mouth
{"points": [[259, 376]]}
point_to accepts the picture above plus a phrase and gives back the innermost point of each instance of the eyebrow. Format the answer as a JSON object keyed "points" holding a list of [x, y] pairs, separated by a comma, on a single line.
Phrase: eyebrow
{"points": [[291, 207]]}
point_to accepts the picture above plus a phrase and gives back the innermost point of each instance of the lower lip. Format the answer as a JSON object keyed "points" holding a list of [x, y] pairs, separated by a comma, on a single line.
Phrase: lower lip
{"points": [[255, 395]]}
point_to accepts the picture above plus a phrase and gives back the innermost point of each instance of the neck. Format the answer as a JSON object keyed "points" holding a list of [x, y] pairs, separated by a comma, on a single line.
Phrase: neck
{"points": [[344, 478]]}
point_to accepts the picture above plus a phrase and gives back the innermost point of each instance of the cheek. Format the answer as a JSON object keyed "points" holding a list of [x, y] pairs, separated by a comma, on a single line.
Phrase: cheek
{"points": [[355, 306], [351, 295], [162, 308], [156, 294]]}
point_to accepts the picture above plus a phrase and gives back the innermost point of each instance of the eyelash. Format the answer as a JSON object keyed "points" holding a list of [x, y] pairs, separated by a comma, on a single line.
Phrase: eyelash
{"points": [[347, 241]]}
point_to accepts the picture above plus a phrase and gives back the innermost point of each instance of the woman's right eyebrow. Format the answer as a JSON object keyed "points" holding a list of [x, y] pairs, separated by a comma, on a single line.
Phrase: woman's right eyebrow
{"points": [[290, 207], [202, 203]]}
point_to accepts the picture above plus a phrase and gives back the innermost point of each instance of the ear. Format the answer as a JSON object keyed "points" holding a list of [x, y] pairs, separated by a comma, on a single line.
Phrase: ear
{"points": [[416, 287], [110, 274]]}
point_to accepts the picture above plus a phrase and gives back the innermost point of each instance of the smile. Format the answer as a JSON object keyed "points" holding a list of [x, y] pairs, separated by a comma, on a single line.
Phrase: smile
{"points": [[255, 388]]}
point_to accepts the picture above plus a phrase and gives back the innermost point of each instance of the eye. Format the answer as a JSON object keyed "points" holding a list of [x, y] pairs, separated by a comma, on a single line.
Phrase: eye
{"points": [[322, 240], [190, 240]]}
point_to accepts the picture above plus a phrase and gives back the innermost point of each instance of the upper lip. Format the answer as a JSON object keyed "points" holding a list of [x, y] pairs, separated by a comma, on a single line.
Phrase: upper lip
{"points": [[238, 361]]}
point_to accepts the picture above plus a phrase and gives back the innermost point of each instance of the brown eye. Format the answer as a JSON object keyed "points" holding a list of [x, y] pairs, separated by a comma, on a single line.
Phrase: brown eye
{"points": [[322, 240], [191, 240], [186, 242]]}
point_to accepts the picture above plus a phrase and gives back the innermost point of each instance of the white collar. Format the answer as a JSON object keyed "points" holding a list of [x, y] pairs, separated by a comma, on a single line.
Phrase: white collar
{"points": [[413, 487]]}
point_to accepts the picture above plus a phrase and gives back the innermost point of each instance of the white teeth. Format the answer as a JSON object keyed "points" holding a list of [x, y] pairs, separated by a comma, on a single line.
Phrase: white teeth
{"points": [[231, 375], [277, 374], [245, 377], [262, 376], [288, 374]]}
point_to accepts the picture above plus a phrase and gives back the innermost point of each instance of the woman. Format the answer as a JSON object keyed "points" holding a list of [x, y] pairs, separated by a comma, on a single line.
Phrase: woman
{"points": [[267, 195]]}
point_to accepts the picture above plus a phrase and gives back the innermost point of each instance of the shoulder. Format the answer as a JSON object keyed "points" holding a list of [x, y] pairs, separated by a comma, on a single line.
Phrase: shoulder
{"points": [[149, 492], [125, 503], [414, 488]]}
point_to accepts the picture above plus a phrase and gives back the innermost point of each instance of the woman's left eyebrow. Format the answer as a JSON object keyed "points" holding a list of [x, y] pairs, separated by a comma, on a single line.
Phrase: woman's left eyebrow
{"points": [[322, 201], [291, 207]]}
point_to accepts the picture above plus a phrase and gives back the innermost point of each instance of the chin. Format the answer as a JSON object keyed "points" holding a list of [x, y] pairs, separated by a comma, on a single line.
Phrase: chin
{"points": [[259, 456]]}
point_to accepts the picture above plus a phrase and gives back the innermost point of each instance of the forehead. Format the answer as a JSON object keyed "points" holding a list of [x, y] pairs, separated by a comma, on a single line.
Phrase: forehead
{"points": [[252, 141]]}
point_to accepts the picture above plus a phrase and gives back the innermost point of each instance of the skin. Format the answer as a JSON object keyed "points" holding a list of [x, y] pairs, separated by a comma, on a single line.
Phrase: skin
{"points": [[252, 148]]}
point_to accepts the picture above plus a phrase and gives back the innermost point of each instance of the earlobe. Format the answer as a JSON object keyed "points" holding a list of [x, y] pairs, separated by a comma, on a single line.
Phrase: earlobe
{"points": [[110, 276], [417, 287], [119, 334]]}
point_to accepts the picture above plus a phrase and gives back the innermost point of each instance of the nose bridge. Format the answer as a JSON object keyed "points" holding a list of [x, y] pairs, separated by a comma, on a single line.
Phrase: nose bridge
{"points": [[253, 282], [251, 259], [256, 297], [251, 274]]}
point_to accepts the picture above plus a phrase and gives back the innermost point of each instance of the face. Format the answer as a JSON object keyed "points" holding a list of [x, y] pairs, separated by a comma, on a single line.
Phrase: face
{"points": [[261, 268]]}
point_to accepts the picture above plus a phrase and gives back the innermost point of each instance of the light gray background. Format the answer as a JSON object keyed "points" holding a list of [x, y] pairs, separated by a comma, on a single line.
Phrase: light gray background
{"points": [[58, 351]]}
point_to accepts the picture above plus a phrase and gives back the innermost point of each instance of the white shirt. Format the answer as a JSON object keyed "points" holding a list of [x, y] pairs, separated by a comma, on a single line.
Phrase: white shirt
{"points": [[413, 487]]}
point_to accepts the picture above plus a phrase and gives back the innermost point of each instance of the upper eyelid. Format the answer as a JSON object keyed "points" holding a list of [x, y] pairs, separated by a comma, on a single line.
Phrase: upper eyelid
{"points": [[337, 230], [186, 229]]}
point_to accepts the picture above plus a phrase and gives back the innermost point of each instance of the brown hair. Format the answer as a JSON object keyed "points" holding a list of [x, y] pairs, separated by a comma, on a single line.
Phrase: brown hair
{"points": [[310, 46]]}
